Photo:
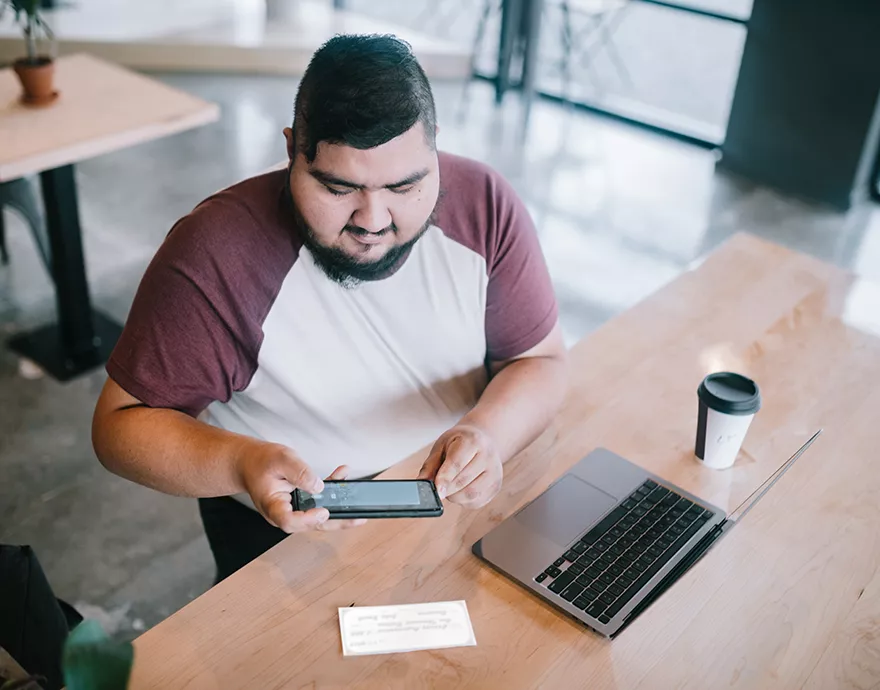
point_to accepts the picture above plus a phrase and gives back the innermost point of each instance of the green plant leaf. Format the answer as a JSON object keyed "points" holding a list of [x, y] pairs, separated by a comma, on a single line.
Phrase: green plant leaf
{"points": [[92, 661], [26, 13], [22, 6]]}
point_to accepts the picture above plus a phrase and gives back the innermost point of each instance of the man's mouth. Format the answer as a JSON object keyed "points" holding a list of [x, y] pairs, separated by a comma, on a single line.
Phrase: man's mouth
{"points": [[368, 238]]}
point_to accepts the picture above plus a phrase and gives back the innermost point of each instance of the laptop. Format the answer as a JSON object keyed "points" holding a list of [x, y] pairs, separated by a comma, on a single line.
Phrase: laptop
{"points": [[607, 538]]}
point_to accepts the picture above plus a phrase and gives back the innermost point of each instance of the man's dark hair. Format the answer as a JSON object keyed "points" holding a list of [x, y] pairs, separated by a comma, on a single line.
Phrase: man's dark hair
{"points": [[361, 91]]}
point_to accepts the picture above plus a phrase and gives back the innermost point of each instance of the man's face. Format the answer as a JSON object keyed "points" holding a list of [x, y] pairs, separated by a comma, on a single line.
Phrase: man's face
{"points": [[362, 210]]}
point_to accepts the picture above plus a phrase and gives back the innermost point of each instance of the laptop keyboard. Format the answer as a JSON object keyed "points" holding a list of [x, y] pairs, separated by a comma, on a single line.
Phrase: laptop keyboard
{"points": [[608, 566]]}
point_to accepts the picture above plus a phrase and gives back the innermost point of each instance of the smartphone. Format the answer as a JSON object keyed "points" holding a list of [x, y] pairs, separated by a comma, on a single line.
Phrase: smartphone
{"points": [[373, 498]]}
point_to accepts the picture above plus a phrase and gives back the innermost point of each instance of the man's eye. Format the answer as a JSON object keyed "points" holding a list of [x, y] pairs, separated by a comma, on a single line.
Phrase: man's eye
{"points": [[337, 192], [403, 190]]}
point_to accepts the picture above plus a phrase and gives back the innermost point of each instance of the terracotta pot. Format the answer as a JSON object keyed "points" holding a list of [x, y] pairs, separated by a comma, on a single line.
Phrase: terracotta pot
{"points": [[36, 79]]}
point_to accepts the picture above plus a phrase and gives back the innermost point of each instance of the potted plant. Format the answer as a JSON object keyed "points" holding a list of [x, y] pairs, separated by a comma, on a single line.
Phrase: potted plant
{"points": [[35, 71]]}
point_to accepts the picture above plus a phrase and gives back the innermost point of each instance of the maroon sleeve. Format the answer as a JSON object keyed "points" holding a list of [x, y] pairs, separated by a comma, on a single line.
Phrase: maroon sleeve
{"points": [[521, 306], [481, 210], [195, 328]]}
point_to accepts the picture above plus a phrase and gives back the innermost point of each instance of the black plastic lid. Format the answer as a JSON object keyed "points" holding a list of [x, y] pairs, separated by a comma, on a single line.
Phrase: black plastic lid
{"points": [[730, 393]]}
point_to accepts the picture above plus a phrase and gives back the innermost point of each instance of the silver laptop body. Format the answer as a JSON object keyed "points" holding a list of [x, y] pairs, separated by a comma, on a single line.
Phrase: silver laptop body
{"points": [[608, 537]]}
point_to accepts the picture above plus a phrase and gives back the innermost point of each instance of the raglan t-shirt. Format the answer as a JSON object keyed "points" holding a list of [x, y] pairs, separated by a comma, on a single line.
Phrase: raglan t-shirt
{"points": [[235, 324]]}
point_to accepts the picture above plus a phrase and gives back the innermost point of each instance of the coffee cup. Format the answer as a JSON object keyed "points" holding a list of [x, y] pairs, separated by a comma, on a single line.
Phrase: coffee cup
{"points": [[727, 404]]}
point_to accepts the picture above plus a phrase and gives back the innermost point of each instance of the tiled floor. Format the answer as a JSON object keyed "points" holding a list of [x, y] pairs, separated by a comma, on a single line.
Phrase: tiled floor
{"points": [[620, 212]]}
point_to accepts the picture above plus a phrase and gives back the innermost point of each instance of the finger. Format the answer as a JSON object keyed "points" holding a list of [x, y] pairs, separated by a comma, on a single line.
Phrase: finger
{"points": [[468, 474], [300, 475], [276, 508], [299, 521], [340, 472], [279, 512], [479, 492], [459, 452], [434, 460], [334, 525]]}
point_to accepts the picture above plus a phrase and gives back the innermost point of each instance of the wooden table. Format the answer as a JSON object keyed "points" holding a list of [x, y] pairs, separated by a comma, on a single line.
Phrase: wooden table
{"points": [[790, 599], [101, 108]]}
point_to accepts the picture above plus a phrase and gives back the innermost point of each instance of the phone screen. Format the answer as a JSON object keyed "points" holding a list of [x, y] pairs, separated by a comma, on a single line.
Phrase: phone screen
{"points": [[375, 495]]}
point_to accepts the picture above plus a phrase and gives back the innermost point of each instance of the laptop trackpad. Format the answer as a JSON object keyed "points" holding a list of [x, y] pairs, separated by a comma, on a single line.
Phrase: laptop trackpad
{"points": [[566, 509]]}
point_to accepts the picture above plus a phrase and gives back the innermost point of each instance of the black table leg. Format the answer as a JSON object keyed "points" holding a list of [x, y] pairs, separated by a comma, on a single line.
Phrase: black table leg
{"points": [[82, 339]]}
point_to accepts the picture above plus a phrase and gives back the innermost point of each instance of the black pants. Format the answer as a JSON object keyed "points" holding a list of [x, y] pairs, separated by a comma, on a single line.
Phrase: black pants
{"points": [[236, 533], [33, 623]]}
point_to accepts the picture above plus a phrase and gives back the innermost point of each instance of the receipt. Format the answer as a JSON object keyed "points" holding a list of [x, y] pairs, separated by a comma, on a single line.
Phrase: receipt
{"points": [[405, 628]]}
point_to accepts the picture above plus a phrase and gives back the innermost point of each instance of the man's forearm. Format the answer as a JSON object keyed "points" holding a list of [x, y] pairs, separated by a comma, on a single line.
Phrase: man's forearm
{"points": [[169, 451], [519, 402]]}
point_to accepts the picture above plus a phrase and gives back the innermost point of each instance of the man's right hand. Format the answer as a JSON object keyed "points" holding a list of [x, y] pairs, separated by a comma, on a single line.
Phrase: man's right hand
{"points": [[170, 451], [270, 472]]}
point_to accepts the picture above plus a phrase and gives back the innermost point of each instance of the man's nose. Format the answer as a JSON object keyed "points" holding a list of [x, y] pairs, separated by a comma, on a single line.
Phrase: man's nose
{"points": [[372, 214]]}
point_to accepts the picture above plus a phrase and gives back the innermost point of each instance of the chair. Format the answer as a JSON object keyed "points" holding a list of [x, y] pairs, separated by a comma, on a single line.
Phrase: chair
{"points": [[602, 17], [19, 194], [580, 41]]}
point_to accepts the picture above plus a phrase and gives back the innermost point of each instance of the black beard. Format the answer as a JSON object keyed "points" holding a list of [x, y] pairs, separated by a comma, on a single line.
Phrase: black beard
{"points": [[349, 272], [339, 266]]}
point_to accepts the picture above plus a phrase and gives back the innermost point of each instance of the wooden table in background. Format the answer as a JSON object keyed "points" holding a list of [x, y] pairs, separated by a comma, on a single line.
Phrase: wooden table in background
{"points": [[101, 108], [790, 599]]}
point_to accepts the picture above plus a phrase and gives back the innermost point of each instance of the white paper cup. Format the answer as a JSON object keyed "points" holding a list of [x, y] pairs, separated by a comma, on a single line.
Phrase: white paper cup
{"points": [[727, 404]]}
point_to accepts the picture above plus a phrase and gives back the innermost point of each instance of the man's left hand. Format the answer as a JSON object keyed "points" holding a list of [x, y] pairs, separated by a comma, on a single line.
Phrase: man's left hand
{"points": [[465, 466]]}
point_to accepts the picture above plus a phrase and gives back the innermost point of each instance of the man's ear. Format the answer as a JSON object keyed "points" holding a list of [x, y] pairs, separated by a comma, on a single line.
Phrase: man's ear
{"points": [[291, 144]]}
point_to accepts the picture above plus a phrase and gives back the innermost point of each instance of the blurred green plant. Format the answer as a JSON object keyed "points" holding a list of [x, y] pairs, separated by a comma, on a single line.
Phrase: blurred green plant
{"points": [[26, 13], [92, 661]]}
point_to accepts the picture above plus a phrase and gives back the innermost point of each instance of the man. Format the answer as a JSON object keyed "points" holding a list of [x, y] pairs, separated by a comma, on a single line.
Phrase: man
{"points": [[332, 318]]}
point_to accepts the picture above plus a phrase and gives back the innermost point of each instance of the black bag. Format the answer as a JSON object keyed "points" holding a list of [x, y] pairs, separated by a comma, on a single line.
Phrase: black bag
{"points": [[33, 623]]}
